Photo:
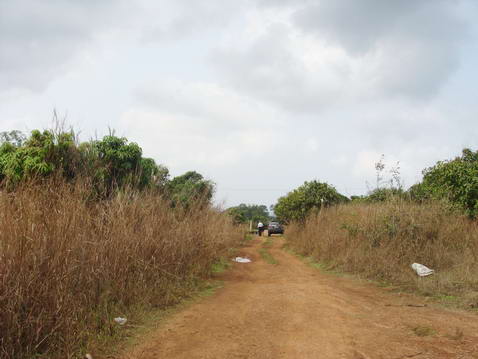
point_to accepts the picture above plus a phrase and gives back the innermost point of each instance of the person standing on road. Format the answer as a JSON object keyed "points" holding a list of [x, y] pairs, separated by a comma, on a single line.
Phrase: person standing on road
{"points": [[260, 228]]}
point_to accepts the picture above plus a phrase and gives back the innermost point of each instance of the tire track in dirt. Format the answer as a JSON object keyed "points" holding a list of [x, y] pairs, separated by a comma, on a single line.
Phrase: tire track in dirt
{"points": [[290, 310]]}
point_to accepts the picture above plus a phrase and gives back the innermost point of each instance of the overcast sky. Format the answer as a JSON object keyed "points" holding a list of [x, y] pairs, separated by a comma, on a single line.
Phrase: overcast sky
{"points": [[257, 95]]}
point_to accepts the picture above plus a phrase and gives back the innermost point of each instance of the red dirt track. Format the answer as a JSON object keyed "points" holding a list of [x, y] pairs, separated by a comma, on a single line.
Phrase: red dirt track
{"points": [[291, 310]]}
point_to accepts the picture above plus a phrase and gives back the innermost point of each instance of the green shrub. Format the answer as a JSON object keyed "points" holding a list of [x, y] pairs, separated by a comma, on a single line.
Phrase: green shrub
{"points": [[299, 203], [189, 188], [455, 181], [38, 156], [108, 164], [249, 212]]}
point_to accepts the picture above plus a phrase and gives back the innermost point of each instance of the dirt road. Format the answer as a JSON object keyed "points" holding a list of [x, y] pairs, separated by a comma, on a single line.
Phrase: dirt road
{"points": [[291, 310]]}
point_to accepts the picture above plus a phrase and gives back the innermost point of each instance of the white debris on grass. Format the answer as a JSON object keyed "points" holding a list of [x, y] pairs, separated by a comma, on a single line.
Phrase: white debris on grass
{"points": [[421, 270], [242, 260], [121, 321]]}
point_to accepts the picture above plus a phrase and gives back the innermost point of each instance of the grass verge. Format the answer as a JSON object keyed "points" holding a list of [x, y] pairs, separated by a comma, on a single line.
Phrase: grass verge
{"points": [[265, 254], [221, 265], [248, 237], [449, 301], [144, 323], [379, 242]]}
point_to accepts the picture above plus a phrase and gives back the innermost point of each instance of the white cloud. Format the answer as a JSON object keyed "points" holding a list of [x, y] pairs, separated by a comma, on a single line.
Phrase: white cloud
{"points": [[172, 20], [323, 55], [201, 124], [39, 38], [412, 46], [357, 26], [311, 145]]}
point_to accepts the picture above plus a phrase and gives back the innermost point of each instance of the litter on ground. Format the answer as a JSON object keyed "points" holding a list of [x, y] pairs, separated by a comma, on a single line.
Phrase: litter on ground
{"points": [[121, 321], [242, 260], [421, 270]]}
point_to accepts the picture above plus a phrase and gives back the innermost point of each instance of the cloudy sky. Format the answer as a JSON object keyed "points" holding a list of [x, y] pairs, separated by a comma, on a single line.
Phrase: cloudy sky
{"points": [[257, 95]]}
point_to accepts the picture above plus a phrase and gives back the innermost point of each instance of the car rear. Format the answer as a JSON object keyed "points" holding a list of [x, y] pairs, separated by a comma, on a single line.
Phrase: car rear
{"points": [[274, 228]]}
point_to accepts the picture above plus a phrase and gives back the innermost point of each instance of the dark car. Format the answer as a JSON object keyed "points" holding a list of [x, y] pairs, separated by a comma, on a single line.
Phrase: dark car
{"points": [[274, 228]]}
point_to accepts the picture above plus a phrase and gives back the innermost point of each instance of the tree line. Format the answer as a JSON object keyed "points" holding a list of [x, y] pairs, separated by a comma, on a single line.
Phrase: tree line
{"points": [[112, 163], [108, 165], [452, 182], [244, 213]]}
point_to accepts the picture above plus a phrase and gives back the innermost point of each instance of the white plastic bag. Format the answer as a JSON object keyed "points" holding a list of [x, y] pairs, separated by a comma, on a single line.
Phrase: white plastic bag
{"points": [[421, 270], [242, 260], [121, 321]]}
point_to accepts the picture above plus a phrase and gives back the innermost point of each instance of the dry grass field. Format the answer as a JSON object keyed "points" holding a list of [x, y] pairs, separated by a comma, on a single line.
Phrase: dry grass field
{"points": [[68, 266], [381, 241]]}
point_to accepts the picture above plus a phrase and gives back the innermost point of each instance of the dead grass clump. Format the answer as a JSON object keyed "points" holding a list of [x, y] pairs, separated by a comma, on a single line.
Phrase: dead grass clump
{"points": [[68, 267], [381, 241], [458, 335], [423, 331]]}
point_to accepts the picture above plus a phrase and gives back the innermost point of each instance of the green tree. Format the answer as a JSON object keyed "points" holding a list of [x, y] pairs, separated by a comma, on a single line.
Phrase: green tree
{"points": [[15, 137], [38, 156], [152, 175], [237, 215], [189, 188], [110, 163], [299, 203], [383, 194], [117, 163], [249, 212], [418, 193], [455, 181]]}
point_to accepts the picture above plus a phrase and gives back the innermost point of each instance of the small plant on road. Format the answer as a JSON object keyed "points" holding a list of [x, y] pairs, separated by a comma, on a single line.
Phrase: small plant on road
{"points": [[423, 331]]}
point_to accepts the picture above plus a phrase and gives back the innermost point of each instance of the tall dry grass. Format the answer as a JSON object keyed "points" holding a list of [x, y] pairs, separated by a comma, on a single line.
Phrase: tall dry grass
{"points": [[68, 267], [381, 241]]}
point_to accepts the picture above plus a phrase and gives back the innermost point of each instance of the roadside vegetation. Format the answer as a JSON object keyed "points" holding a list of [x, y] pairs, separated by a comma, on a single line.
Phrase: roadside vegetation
{"points": [[244, 213], [381, 234], [265, 253], [93, 231], [308, 199]]}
